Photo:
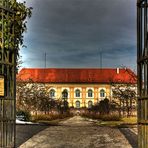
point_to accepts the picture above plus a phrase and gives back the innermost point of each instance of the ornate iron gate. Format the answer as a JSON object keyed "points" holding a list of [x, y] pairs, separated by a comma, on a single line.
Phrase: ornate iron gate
{"points": [[7, 76], [142, 70]]}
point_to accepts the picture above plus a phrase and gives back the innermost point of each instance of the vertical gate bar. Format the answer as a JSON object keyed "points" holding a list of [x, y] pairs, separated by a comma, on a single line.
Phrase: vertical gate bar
{"points": [[8, 71], [142, 71], [138, 67], [3, 72], [14, 86]]}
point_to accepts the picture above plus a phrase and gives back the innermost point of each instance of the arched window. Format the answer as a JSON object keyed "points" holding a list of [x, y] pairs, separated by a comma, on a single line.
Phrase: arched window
{"points": [[102, 93], [77, 93], [52, 93], [90, 93], [65, 94], [77, 104], [90, 104]]}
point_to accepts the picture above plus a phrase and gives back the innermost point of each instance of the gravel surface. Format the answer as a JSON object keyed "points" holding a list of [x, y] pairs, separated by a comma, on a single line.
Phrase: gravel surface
{"points": [[78, 132]]}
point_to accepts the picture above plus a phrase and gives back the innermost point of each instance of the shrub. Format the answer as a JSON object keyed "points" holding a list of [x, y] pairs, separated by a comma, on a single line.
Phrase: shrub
{"points": [[49, 117], [90, 115], [110, 117], [104, 117], [25, 114]]}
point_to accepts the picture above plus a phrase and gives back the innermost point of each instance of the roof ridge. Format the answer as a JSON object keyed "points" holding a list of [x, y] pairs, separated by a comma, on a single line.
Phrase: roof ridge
{"points": [[77, 68]]}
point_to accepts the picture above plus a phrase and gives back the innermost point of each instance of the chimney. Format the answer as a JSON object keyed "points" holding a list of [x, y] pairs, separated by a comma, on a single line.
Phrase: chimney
{"points": [[118, 70]]}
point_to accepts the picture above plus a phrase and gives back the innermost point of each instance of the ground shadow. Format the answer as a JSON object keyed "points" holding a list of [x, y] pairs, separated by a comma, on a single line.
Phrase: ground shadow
{"points": [[130, 136], [25, 132]]}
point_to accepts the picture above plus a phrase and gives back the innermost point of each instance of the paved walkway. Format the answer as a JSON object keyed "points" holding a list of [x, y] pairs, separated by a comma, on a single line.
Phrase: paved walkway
{"points": [[77, 132]]}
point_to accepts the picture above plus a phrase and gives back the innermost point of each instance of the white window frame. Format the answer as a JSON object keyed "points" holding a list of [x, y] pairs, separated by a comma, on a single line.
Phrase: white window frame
{"points": [[54, 90], [50, 93], [79, 88], [100, 93], [77, 94], [76, 105], [68, 90], [88, 103], [88, 88]]}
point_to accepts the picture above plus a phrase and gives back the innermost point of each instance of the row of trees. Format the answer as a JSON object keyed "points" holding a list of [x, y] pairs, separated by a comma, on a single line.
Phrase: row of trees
{"points": [[126, 96], [34, 97], [123, 101]]}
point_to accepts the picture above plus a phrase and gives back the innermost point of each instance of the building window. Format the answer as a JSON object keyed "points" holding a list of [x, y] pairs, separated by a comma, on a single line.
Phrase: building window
{"points": [[52, 93], [65, 94], [102, 93], [90, 93], [77, 104], [90, 104], [77, 93]]}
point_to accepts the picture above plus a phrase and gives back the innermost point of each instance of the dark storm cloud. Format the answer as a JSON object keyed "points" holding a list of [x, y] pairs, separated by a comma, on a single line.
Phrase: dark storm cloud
{"points": [[72, 32]]}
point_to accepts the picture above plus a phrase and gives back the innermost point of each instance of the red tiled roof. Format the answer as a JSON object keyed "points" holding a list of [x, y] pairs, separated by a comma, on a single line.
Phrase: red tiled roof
{"points": [[68, 75]]}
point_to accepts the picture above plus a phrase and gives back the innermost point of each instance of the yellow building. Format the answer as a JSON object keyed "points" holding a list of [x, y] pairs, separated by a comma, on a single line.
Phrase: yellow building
{"points": [[82, 87]]}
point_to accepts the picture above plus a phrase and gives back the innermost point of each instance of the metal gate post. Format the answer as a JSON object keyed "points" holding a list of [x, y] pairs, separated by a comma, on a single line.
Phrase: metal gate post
{"points": [[7, 76], [142, 71]]}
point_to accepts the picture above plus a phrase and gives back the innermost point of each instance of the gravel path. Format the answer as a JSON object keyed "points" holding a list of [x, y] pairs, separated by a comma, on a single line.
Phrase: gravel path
{"points": [[77, 132]]}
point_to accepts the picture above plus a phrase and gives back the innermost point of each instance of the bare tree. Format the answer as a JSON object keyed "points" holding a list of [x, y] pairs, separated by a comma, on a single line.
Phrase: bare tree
{"points": [[32, 97], [125, 93]]}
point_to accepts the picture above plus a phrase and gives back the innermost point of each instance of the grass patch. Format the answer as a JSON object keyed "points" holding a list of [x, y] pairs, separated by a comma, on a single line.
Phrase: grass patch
{"points": [[110, 123], [112, 120], [130, 120], [124, 122]]}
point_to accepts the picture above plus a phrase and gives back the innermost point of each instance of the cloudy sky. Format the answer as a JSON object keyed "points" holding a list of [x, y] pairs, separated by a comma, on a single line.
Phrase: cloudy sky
{"points": [[73, 33]]}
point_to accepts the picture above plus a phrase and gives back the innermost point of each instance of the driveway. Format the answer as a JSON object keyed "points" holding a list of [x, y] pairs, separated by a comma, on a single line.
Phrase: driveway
{"points": [[78, 132]]}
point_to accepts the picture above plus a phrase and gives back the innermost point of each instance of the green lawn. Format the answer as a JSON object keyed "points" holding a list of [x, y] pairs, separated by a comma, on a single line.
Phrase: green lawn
{"points": [[124, 122], [131, 120]]}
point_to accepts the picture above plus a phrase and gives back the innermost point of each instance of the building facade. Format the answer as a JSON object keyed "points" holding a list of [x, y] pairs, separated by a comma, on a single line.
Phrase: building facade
{"points": [[80, 95], [81, 87]]}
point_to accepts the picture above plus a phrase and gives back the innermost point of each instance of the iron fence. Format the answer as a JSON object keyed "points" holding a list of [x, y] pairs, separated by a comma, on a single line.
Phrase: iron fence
{"points": [[7, 76], [142, 70]]}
